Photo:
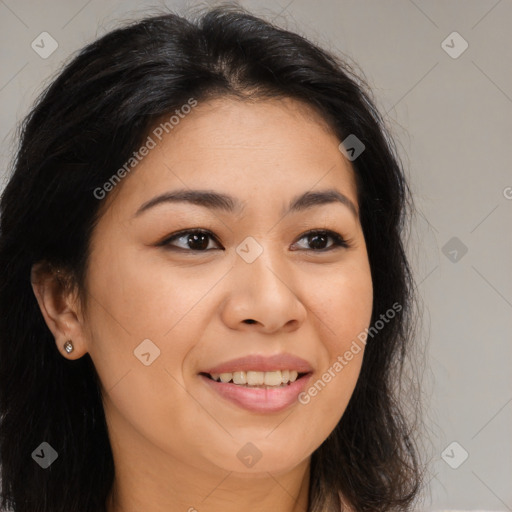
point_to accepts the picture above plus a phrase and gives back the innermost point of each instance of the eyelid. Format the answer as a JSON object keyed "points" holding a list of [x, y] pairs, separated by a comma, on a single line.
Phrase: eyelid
{"points": [[339, 240], [173, 236]]}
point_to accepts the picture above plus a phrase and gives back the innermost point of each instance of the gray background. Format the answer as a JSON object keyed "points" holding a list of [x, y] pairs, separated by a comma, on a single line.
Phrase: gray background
{"points": [[451, 118]]}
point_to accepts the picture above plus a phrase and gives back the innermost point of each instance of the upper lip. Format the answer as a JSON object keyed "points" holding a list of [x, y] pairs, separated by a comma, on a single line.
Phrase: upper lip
{"points": [[260, 363]]}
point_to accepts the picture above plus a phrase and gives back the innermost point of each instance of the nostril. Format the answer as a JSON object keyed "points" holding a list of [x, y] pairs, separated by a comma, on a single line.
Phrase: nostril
{"points": [[250, 321]]}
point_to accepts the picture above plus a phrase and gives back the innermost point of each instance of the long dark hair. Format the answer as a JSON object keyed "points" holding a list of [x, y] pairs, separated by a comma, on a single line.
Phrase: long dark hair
{"points": [[84, 126]]}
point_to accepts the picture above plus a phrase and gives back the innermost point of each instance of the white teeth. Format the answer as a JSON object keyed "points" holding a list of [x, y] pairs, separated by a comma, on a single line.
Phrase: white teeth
{"points": [[253, 378], [273, 378], [239, 377]]}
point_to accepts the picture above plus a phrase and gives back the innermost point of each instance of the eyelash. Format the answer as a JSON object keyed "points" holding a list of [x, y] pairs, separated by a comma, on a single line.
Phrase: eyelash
{"points": [[338, 240]]}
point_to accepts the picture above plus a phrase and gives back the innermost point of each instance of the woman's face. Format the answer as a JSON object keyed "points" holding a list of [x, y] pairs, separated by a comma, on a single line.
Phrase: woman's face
{"points": [[162, 315]]}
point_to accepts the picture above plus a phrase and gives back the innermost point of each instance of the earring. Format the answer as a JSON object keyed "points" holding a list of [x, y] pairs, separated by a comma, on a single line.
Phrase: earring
{"points": [[68, 346]]}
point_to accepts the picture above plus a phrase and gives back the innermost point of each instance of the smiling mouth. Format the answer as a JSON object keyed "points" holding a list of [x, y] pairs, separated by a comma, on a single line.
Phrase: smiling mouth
{"points": [[255, 379]]}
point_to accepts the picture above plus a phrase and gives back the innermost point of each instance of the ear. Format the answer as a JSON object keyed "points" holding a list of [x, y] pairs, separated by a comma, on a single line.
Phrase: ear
{"points": [[60, 308]]}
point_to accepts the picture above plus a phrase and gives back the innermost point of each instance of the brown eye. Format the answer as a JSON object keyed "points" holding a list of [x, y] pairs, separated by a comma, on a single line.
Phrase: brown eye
{"points": [[198, 240], [318, 240], [194, 240]]}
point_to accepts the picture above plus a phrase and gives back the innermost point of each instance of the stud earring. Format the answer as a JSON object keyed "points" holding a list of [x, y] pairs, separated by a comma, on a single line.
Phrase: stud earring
{"points": [[68, 346]]}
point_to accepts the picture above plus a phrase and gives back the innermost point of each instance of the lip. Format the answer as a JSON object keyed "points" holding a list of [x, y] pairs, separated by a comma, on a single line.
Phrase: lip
{"points": [[264, 400], [260, 363], [259, 399]]}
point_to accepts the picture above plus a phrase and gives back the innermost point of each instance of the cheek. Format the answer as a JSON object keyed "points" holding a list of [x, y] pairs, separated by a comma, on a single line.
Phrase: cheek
{"points": [[145, 305], [141, 296], [343, 309], [343, 306], [137, 310]]}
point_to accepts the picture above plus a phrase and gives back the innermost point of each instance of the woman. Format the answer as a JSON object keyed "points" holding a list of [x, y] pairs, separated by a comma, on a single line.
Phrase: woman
{"points": [[206, 302]]}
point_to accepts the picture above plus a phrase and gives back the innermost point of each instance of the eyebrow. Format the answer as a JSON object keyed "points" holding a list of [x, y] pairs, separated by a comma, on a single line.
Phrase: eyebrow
{"points": [[219, 201]]}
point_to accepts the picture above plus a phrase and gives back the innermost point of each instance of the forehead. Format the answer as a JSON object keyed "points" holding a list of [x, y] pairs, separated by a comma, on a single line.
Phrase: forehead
{"points": [[278, 147]]}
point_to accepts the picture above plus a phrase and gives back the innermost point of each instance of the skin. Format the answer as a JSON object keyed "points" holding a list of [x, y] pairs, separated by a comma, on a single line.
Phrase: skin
{"points": [[174, 441]]}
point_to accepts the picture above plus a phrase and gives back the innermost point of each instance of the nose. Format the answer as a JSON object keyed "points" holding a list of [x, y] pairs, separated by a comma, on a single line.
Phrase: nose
{"points": [[262, 296]]}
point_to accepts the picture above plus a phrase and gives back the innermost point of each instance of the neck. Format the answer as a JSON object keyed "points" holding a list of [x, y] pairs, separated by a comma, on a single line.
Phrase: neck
{"points": [[138, 487], [154, 480]]}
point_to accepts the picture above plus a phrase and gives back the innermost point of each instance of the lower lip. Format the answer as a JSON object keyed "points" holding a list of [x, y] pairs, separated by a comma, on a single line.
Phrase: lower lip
{"points": [[259, 399]]}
